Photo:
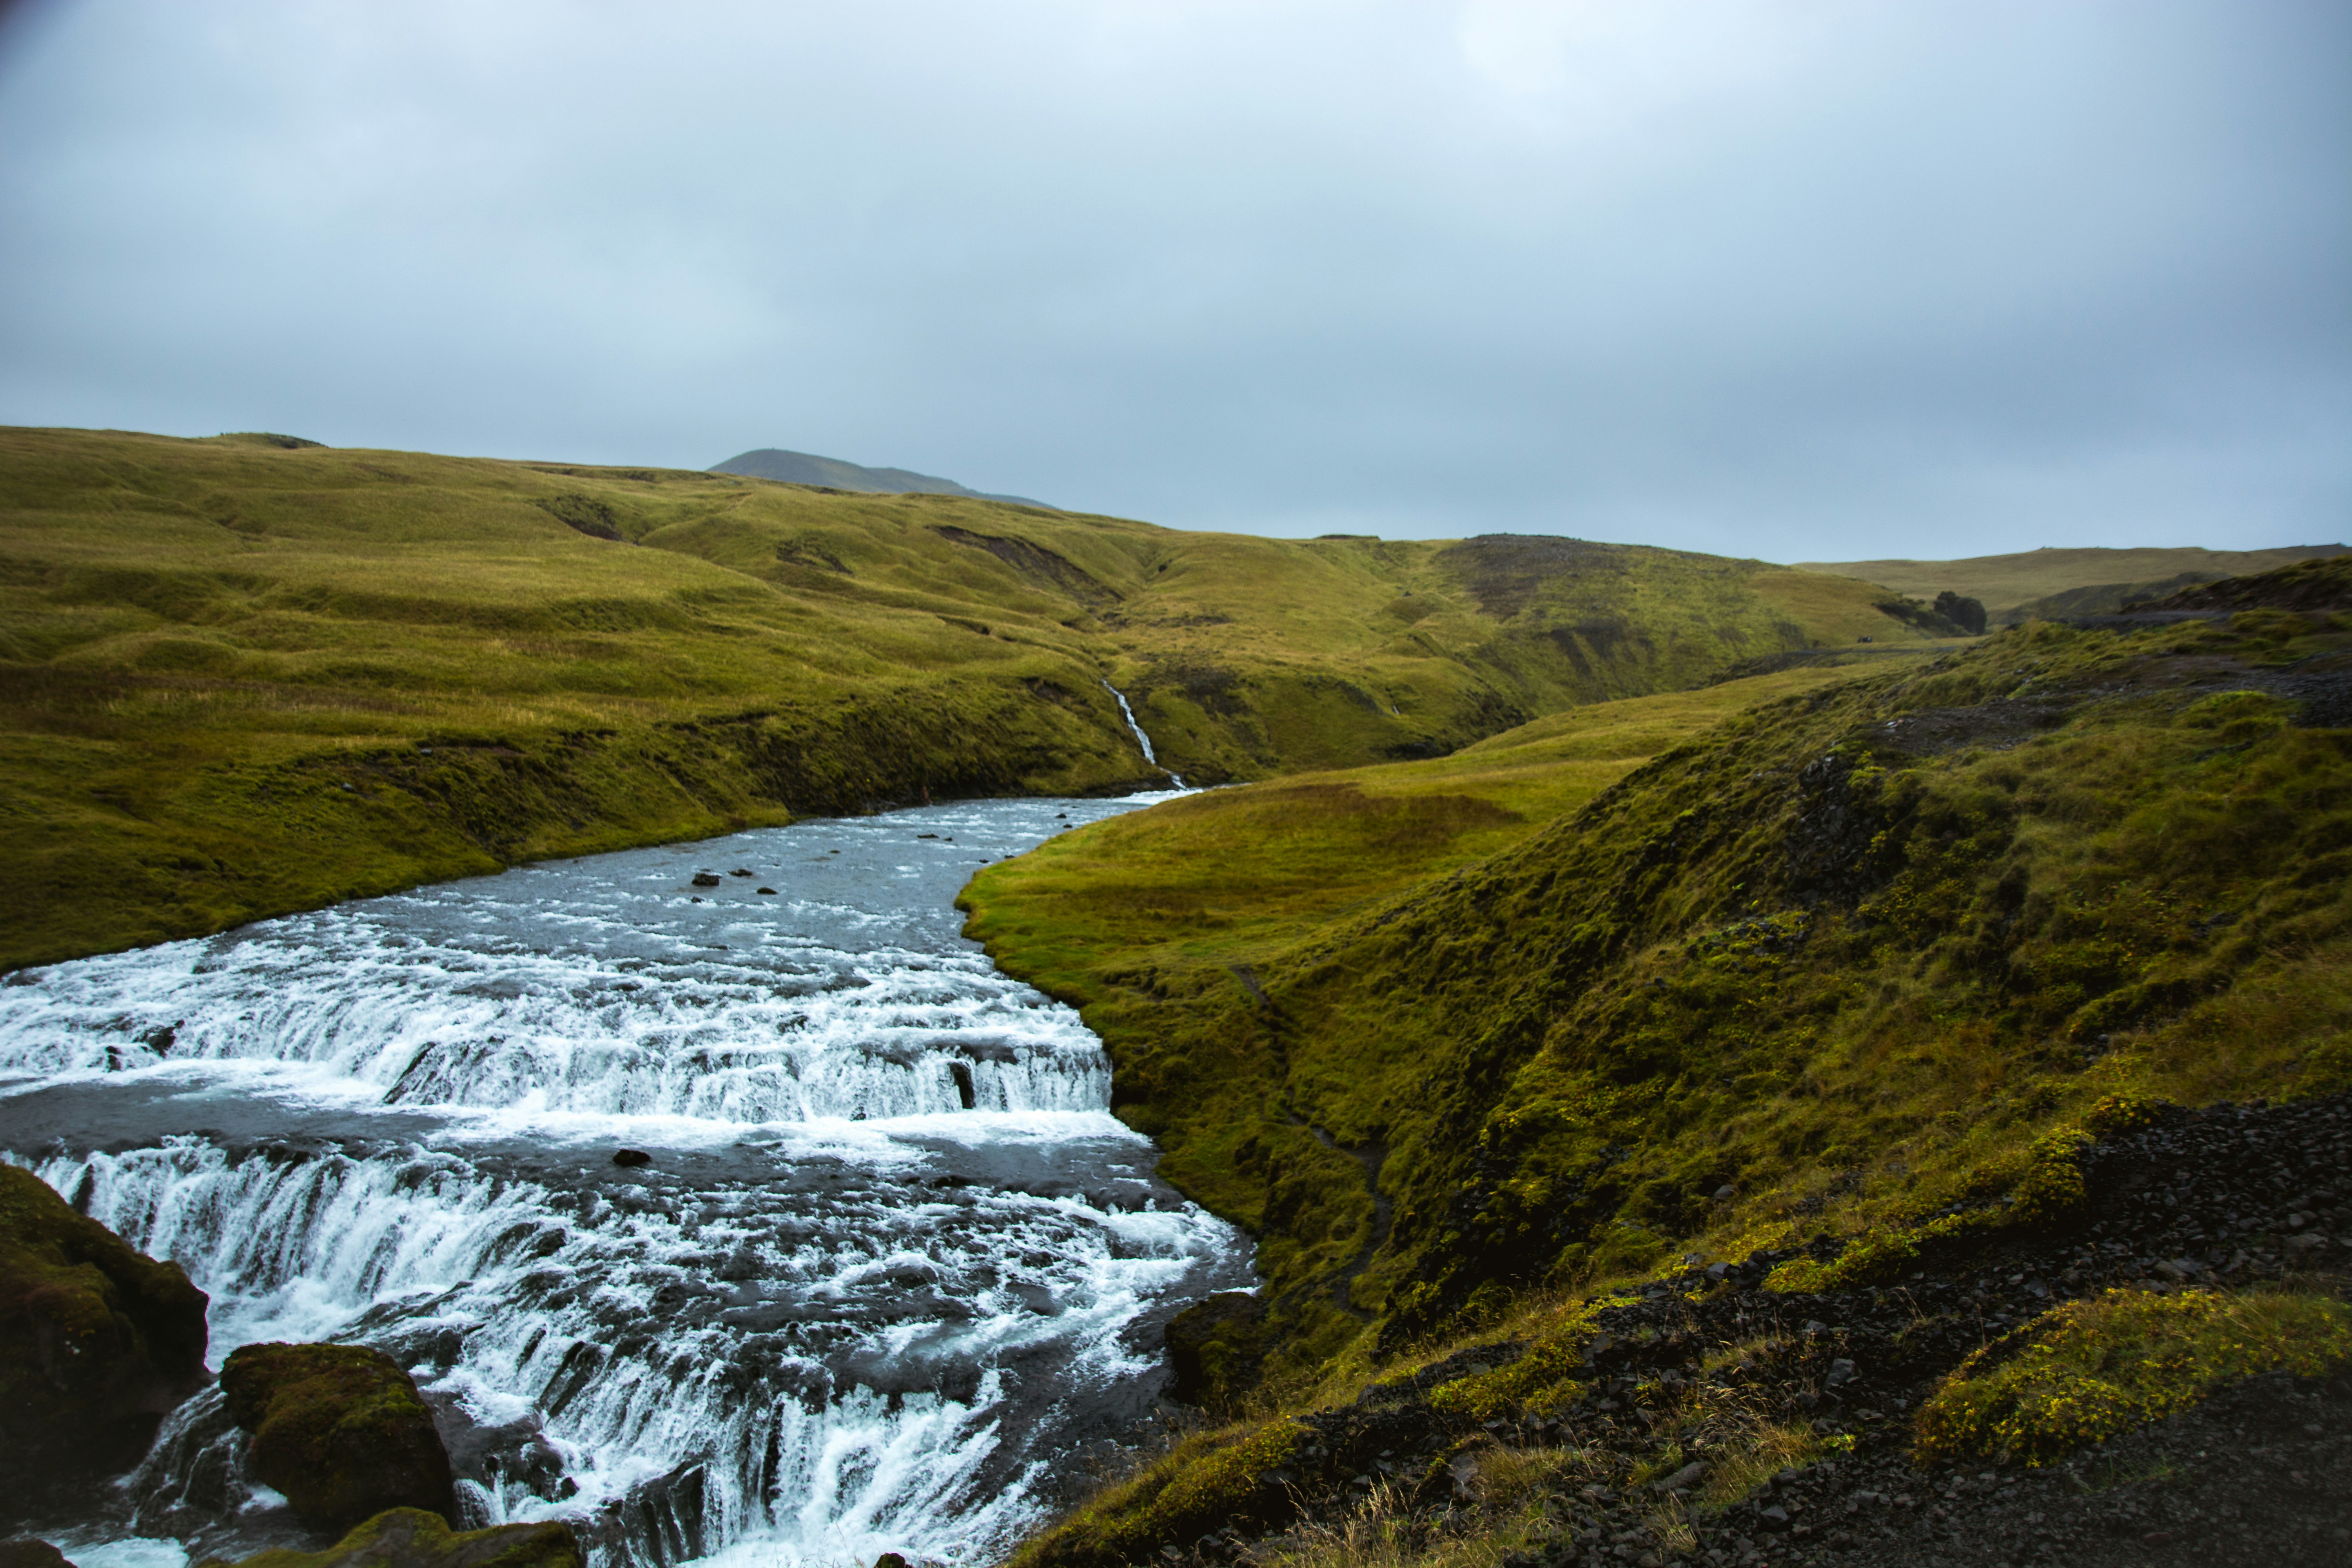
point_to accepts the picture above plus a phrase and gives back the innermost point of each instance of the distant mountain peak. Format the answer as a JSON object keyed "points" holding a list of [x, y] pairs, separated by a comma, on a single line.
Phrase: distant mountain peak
{"points": [[833, 473]]}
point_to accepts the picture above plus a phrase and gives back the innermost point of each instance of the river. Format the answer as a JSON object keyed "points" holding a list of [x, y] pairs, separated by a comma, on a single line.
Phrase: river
{"points": [[892, 1264]]}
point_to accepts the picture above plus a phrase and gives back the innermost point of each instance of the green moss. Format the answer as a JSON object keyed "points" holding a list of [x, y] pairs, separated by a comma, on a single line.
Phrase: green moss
{"points": [[2089, 1369], [340, 1430], [1207, 1483], [1539, 1381], [96, 1338], [412, 1538]]}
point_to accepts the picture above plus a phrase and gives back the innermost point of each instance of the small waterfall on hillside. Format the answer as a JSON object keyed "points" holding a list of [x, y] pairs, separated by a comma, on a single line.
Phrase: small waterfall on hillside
{"points": [[1141, 738], [891, 1262]]}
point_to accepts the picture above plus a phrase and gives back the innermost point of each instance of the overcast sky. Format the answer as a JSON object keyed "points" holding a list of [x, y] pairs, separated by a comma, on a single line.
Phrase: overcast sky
{"points": [[1804, 279]]}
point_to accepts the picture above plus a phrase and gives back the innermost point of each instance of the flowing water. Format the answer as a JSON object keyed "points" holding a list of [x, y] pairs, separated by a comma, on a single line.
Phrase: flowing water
{"points": [[1141, 739], [891, 1260]]}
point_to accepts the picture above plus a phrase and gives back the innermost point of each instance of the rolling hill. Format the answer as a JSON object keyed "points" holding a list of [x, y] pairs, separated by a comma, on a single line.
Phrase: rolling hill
{"points": [[244, 675], [832, 473], [1700, 1014], [2058, 582]]}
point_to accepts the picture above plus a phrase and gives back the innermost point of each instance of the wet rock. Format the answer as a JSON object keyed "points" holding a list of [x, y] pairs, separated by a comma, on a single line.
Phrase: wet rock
{"points": [[630, 1159], [706, 878], [412, 1538], [340, 1430], [30, 1553], [97, 1342], [770, 891]]}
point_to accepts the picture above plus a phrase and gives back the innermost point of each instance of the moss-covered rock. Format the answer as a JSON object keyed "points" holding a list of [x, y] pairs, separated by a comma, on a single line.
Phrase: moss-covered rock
{"points": [[97, 1341], [412, 1538], [340, 1430], [1216, 1346], [30, 1553]]}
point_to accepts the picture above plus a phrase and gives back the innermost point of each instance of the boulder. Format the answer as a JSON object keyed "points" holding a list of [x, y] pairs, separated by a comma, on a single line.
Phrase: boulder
{"points": [[97, 1342], [412, 1538], [26, 1553], [340, 1430]]}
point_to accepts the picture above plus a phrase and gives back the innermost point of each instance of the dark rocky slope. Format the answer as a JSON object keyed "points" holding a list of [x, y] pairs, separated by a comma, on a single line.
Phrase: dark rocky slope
{"points": [[1672, 1384]]}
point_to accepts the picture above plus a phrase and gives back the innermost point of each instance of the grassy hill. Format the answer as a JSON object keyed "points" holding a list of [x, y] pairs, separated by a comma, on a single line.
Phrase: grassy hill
{"points": [[1852, 964], [2073, 582], [832, 473], [248, 674]]}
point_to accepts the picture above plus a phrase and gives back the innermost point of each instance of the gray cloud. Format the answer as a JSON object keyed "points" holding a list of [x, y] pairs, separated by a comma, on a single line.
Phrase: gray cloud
{"points": [[1790, 278]]}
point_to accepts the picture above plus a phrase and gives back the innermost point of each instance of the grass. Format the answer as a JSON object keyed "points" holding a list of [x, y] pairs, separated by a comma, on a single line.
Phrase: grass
{"points": [[1208, 1481], [1504, 1509], [412, 1534], [1230, 877], [2007, 582], [1878, 949], [201, 643], [2090, 1369], [1164, 926]]}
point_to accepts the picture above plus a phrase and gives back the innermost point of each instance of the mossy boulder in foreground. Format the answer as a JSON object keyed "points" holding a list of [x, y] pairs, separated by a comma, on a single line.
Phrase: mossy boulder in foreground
{"points": [[97, 1341], [412, 1538], [340, 1430], [30, 1553]]}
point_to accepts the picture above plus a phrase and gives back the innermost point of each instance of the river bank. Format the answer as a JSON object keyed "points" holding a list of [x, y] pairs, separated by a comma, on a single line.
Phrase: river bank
{"points": [[240, 680]]}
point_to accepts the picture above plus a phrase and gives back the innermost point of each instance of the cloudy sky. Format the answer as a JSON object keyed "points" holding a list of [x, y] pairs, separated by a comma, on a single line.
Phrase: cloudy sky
{"points": [[1796, 278]]}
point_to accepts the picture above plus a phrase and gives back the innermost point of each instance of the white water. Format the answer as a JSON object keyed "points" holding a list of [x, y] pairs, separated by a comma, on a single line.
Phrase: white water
{"points": [[891, 1258], [1141, 739]]}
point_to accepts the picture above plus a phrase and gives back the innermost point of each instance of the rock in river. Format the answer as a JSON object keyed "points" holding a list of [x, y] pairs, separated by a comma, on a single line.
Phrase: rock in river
{"points": [[30, 1553], [412, 1538], [97, 1342], [340, 1430]]}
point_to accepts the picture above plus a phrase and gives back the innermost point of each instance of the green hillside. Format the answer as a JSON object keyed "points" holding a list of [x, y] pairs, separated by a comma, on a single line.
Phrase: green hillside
{"points": [[1850, 955], [2104, 578], [832, 473], [246, 674]]}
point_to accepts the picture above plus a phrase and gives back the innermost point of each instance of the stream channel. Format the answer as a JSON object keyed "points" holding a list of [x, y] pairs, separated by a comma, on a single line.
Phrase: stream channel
{"points": [[892, 1268]]}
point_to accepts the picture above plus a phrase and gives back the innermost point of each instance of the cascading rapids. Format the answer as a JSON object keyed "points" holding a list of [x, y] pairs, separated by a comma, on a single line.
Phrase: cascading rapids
{"points": [[890, 1259]]}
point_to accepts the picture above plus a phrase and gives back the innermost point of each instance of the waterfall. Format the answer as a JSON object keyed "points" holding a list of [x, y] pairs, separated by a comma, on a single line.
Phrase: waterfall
{"points": [[1141, 739], [891, 1261]]}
